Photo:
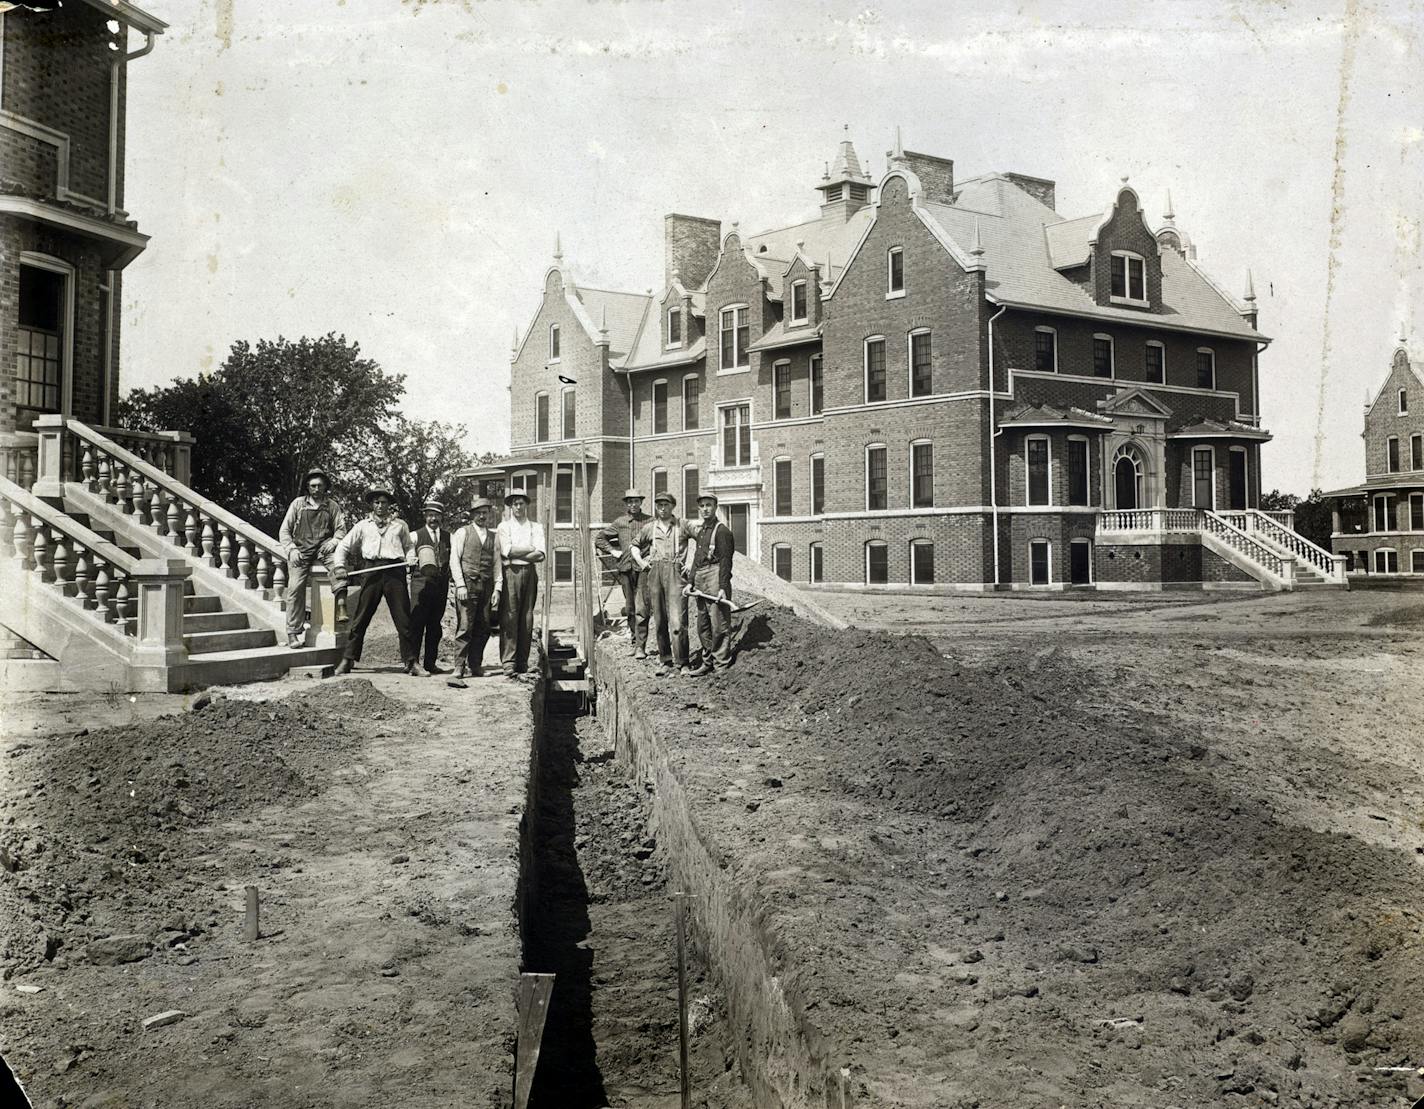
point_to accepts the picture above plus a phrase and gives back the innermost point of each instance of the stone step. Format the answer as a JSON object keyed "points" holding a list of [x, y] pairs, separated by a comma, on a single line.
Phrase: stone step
{"points": [[192, 602], [194, 622], [231, 667], [203, 643]]}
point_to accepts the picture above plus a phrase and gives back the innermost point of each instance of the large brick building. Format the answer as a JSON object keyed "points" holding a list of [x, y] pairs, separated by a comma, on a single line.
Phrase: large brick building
{"points": [[934, 382], [1378, 526], [65, 237]]}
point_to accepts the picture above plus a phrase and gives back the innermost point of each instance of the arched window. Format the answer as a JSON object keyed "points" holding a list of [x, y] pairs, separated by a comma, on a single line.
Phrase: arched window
{"points": [[877, 562], [674, 327], [1127, 478], [922, 562], [553, 342], [541, 417]]}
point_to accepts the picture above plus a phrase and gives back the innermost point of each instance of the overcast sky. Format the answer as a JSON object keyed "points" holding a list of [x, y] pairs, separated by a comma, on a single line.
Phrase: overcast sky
{"points": [[396, 171]]}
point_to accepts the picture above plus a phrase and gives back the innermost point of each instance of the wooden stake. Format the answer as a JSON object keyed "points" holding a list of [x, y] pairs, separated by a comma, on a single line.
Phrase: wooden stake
{"points": [[532, 1002], [251, 928], [679, 901]]}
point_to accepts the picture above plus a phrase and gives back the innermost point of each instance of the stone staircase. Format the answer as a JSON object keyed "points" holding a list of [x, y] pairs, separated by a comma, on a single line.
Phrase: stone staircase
{"points": [[122, 578], [1315, 567]]}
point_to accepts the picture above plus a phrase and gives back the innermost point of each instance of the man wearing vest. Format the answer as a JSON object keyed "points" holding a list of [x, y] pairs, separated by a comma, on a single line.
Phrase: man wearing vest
{"points": [[659, 550], [521, 545], [312, 527], [430, 585], [709, 564], [474, 554], [617, 541]]}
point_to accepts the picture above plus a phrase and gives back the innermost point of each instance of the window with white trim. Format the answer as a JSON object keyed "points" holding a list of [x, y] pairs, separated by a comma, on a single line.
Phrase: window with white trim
{"points": [[1203, 478], [1391, 452], [781, 477], [660, 424], [553, 342], [1404, 402], [877, 495], [1237, 478], [922, 562], [817, 566], [895, 272], [874, 369], [1080, 562], [42, 350], [1128, 283], [541, 417], [1037, 470], [818, 386], [564, 497], [818, 484], [1384, 512], [1077, 470], [1416, 511], [691, 388], [798, 304], [563, 564], [1045, 350], [1040, 562], [781, 561], [1206, 368], [1416, 561], [921, 474], [1102, 356], [1155, 370], [781, 391], [570, 414], [690, 489], [736, 434], [659, 480], [1416, 452], [734, 331], [921, 364], [1386, 561], [674, 327], [877, 562]]}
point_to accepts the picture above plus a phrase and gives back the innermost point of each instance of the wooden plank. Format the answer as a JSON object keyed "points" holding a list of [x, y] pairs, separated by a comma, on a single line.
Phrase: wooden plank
{"points": [[568, 685], [532, 1001], [546, 579]]}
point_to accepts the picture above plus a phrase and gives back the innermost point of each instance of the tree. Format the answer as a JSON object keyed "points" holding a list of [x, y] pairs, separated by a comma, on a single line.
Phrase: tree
{"points": [[416, 460], [1313, 517]]}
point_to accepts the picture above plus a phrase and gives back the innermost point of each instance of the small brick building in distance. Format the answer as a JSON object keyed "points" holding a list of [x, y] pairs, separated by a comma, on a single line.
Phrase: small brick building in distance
{"points": [[1379, 525], [937, 382], [64, 235]]}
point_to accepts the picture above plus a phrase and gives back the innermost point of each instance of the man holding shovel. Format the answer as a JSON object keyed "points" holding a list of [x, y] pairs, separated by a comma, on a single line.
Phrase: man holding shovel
{"points": [[709, 564], [381, 546], [617, 542]]}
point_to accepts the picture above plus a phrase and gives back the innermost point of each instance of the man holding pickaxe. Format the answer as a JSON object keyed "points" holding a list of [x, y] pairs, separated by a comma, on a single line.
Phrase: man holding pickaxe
{"points": [[616, 542], [709, 565]]}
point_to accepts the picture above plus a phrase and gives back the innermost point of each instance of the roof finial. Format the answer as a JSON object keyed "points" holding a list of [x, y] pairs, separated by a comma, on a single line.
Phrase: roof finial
{"points": [[603, 322], [899, 153], [1169, 215], [1250, 297], [1124, 179], [676, 275], [800, 246], [515, 345], [826, 172], [558, 249], [978, 249], [1403, 334]]}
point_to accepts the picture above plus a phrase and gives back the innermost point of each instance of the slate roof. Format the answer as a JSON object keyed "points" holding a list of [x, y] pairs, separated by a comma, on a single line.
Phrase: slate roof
{"points": [[830, 237], [1022, 239], [1203, 428], [1047, 415], [524, 460], [779, 335], [624, 314]]}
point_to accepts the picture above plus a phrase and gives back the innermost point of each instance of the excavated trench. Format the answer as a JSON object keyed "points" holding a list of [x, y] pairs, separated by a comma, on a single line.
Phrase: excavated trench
{"points": [[597, 912]]}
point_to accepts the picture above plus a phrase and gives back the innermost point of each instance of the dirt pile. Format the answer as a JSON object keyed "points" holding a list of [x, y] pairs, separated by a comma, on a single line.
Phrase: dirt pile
{"points": [[1023, 899], [95, 817]]}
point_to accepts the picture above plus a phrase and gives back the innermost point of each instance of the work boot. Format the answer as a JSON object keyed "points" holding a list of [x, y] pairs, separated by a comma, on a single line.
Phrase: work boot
{"points": [[705, 668], [415, 670], [344, 666], [296, 642], [463, 671], [640, 653], [433, 668]]}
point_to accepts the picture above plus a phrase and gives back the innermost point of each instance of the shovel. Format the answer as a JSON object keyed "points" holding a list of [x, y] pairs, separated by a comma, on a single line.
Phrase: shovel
{"points": [[373, 569], [731, 608]]}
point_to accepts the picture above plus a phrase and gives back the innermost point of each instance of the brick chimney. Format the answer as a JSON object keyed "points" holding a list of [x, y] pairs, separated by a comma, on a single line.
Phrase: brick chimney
{"points": [[1040, 188], [690, 247], [935, 174]]}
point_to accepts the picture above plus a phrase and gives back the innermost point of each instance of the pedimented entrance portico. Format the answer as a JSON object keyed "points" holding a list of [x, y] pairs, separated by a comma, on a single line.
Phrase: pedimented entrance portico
{"points": [[1137, 446]]}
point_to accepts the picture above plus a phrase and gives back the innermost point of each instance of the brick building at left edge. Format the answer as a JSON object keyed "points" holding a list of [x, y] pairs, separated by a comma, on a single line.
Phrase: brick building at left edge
{"points": [[65, 237]]}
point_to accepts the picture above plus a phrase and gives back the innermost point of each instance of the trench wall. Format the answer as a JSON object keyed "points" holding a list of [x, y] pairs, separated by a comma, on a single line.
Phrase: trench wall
{"points": [[784, 1059], [526, 891]]}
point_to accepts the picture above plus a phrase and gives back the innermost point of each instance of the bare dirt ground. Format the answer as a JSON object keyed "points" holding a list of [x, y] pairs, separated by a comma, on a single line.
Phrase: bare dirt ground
{"points": [[1083, 852], [378, 816]]}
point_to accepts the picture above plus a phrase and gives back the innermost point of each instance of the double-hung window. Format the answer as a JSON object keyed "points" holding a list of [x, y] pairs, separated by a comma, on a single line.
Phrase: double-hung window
{"points": [[1156, 367], [1416, 452], [733, 333], [674, 327], [1077, 471], [1045, 350], [798, 302], [782, 473], [1206, 368], [690, 415], [1102, 356], [1036, 459], [895, 272], [921, 368], [1129, 277], [1392, 454], [541, 417], [659, 407], [737, 435], [781, 390], [877, 562], [818, 394], [564, 497], [553, 342], [877, 497], [818, 484], [689, 489], [874, 370], [921, 475], [570, 414]]}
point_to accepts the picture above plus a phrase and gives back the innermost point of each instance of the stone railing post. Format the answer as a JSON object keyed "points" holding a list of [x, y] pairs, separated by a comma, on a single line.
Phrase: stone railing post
{"points": [[321, 603], [158, 583], [182, 456], [1288, 571], [49, 470]]}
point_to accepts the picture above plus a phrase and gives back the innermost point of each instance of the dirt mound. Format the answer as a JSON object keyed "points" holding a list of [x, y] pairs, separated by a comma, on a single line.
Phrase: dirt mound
{"points": [[1112, 866]]}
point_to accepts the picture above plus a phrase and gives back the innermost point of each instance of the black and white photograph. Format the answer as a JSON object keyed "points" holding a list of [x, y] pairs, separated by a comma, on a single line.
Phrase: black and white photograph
{"points": [[664, 554]]}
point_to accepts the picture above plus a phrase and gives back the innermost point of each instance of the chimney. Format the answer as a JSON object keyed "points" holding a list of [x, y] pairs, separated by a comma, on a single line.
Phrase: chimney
{"points": [[935, 174], [1040, 188], [690, 248]]}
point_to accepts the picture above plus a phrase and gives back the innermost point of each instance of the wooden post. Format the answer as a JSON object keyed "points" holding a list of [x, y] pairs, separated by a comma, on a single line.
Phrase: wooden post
{"points": [[251, 927], [591, 576], [679, 901], [532, 1005], [544, 569]]}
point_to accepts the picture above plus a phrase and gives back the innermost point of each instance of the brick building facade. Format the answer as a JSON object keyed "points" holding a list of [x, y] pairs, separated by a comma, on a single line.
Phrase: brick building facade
{"points": [[936, 382], [1379, 525], [64, 235]]}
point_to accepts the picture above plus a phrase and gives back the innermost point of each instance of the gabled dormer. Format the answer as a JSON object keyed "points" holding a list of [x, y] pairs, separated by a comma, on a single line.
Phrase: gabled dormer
{"points": [[738, 311], [680, 314], [801, 294], [1125, 266]]}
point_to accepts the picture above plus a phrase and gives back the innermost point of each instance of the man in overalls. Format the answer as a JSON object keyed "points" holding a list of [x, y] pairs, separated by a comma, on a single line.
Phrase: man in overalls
{"points": [[709, 563], [310, 530], [617, 541], [430, 592], [659, 550], [474, 557]]}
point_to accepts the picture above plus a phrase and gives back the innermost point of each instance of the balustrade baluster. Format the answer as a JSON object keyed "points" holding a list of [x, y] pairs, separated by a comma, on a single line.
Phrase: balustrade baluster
{"points": [[138, 493], [40, 546], [264, 570], [62, 563], [127, 605], [175, 521], [104, 599], [244, 563], [279, 576], [190, 528], [106, 479], [23, 540], [122, 488], [7, 529], [208, 543], [87, 469], [225, 551], [157, 514], [83, 579]]}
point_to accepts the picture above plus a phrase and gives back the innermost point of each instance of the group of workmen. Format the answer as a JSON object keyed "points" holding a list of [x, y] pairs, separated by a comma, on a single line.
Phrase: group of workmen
{"points": [[660, 562]]}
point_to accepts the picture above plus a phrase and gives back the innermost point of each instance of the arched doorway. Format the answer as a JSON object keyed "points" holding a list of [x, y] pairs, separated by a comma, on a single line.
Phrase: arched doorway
{"points": [[1127, 479]]}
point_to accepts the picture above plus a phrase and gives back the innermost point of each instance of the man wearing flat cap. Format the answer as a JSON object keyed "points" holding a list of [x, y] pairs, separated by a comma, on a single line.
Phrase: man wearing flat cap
{"points": [[616, 543], [310, 530], [521, 547], [709, 565], [381, 549], [474, 561], [659, 550], [430, 585]]}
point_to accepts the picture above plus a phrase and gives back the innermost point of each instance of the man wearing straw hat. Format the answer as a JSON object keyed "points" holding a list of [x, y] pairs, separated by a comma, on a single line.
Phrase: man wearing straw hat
{"points": [[658, 550], [310, 530], [616, 542], [381, 546], [430, 585], [474, 560], [521, 545]]}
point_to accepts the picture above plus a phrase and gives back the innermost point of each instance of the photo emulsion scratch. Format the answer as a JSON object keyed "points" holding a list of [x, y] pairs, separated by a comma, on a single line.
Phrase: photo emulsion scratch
{"points": [[607, 553]]}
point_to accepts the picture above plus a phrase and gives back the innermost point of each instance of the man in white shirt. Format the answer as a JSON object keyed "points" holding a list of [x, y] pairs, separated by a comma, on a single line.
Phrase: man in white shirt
{"points": [[430, 587], [521, 545], [381, 545], [474, 560]]}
